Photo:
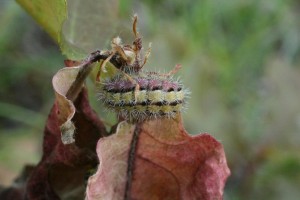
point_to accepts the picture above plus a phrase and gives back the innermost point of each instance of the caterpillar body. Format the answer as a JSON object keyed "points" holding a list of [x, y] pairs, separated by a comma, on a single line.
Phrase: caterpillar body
{"points": [[138, 95], [157, 97]]}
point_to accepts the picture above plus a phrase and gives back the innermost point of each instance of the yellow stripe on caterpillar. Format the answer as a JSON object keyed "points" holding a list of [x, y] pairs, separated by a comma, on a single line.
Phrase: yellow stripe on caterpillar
{"points": [[156, 96], [141, 96], [165, 98], [127, 97]]}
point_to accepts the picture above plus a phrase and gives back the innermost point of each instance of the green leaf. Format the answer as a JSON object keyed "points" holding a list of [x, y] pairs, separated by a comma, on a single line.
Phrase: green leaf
{"points": [[79, 26], [50, 15], [90, 25]]}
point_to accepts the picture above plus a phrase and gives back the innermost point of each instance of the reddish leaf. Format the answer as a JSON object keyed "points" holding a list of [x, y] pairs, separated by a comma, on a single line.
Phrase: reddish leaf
{"points": [[164, 163], [62, 169]]}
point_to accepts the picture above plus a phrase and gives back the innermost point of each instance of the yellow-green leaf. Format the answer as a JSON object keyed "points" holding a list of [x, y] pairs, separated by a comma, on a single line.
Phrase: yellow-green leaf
{"points": [[50, 15]]}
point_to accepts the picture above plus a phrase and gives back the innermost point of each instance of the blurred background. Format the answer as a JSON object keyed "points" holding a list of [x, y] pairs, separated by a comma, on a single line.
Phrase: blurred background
{"points": [[241, 61]]}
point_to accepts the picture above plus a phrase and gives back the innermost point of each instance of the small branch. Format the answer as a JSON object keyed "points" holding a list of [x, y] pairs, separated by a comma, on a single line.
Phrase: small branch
{"points": [[87, 66]]}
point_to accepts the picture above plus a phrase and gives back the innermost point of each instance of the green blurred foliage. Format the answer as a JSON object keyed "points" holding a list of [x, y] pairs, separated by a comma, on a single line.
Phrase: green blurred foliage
{"points": [[240, 60]]}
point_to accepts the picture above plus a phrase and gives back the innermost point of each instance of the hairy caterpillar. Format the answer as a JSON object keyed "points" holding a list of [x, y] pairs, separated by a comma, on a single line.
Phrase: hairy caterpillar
{"points": [[135, 94]]}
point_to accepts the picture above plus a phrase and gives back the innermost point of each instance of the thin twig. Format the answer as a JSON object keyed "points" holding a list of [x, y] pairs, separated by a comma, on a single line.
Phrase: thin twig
{"points": [[87, 66]]}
